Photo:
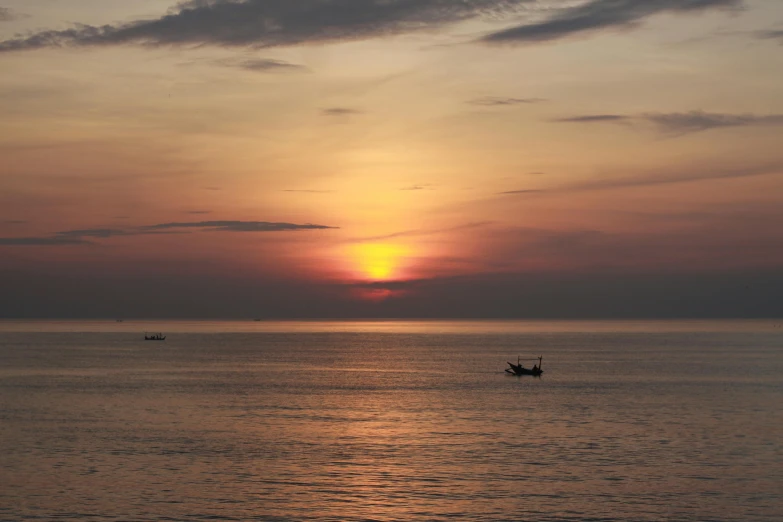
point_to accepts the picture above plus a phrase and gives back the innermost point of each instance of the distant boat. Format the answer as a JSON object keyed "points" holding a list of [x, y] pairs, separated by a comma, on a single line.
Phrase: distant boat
{"points": [[155, 337], [518, 369], [119, 320]]}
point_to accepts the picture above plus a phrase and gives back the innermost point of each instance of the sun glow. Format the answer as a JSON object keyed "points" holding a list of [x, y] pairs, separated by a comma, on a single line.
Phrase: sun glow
{"points": [[379, 261]]}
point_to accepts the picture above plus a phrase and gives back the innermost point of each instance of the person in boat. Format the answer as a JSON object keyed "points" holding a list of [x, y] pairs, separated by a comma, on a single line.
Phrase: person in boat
{"points": [[535, 368]]}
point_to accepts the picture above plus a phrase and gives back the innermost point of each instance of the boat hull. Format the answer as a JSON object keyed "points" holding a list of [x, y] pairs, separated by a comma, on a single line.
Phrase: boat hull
{"points": [[516, 369]]}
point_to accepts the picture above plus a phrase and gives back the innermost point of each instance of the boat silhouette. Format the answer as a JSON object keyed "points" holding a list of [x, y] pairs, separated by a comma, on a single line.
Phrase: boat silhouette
{"points": [[518, 369], [155, 337]]}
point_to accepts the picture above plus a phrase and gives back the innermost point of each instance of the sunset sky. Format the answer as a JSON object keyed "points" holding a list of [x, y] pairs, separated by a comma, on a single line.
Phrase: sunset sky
{"points": [[391, 158]]}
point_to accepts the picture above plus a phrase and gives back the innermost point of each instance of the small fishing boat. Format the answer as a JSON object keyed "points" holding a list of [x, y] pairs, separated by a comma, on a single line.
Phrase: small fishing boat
{"points": [[518, 369], [155, 337]]}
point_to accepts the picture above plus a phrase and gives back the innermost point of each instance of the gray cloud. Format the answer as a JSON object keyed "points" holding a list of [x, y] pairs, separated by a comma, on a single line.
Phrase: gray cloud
{"points": [[8, 15], [599, 14], [42, 241], [695, 121], [593, 118], [494, 101], [197, 212], [14, 222], [66, 237], [262, 65], [522, 191], [339, 111], [239, 226], [77, 237], [93, 232], [679, 123], [775, 34], [426, 186], [270, 23]]}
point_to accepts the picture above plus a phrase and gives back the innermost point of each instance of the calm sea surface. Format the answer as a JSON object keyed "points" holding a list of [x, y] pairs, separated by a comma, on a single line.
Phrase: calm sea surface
{"points": [[391, 421]]}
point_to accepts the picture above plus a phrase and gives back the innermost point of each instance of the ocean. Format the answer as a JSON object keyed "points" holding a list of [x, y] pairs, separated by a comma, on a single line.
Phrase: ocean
{"points": [[349, 421]]}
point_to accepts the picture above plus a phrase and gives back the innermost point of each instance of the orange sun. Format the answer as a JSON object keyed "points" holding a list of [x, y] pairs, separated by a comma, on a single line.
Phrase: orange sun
{"points": [[379, 261]]}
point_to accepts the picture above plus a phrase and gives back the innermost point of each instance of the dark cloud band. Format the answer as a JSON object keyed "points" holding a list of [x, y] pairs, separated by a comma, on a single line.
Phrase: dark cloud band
{"points": [[270, 23], [78, 237], [274, 23]]}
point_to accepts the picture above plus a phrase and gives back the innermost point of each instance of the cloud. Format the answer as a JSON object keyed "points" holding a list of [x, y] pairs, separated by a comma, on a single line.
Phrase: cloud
{"points": [[494, 101], [599, 14], [93, 232], [775, 34], [680, 123], [66, 237], [426, 186], [14, 222], [424, 232], [262, 65], [657, 178], [42, 241], [239, 226], [309, 191], [593, 118], [197, 212], [8, 15], [522, 191], [695, 121], [270, 23], [340, 111], [77, 237]]}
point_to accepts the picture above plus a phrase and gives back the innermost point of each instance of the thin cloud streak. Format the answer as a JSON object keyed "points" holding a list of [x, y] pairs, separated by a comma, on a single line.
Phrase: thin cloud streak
{"points": [[423, 232], [93, 232], [339, 111], [522, 191], [262, 65], [593, 118], [239, 226], [697, 121], [309, 191], [680, 123], [77, 237], [495, 101], [42, 241], [775, 34], [655, 179]]}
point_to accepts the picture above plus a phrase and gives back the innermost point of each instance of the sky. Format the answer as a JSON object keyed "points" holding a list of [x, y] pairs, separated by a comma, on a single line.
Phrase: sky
{"points": [[391, 158]]}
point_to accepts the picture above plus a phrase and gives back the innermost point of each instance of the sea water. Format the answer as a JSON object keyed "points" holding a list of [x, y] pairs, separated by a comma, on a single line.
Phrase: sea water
{"points": [[643, 421]]}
